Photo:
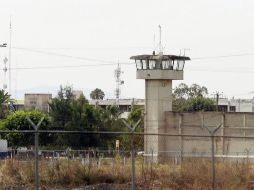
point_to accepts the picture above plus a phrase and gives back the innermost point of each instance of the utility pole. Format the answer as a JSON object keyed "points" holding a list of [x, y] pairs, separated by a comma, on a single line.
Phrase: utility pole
{"points": [[239, 101], [217, 96]]}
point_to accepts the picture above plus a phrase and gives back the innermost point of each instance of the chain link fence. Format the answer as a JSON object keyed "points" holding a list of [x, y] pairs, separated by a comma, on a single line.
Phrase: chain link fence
{"points": [[113, 162]]}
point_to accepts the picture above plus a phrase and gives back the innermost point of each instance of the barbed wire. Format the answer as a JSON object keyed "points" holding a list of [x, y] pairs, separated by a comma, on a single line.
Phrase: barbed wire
{"points": [[125, 133]]}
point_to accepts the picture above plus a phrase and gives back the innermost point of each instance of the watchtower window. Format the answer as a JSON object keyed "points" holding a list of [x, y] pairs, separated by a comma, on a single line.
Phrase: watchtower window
{"points": [[139, 64], [152, 64], [144, 63], [180, 65], [167, 64], [158, 64]]}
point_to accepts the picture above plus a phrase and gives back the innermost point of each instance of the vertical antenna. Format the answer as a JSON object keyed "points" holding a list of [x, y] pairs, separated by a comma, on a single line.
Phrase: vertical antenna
{"points": [[10, 58], [160, 46], [183, 50], [154, 46]]}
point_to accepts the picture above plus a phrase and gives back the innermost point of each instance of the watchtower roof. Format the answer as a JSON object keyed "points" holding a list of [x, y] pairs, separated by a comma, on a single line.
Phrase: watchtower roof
{"points": [[160, 57]]}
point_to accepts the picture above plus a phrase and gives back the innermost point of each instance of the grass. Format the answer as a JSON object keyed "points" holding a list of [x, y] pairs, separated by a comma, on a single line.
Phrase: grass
{"points": [[190, 175]]}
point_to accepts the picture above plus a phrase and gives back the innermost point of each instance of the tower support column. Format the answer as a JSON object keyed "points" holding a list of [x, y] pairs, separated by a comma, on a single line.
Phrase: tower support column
{"points": [[158, 101]]}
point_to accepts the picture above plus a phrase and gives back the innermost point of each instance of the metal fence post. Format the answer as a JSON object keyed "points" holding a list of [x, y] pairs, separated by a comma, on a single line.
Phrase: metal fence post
{"points": [[36, 139], [132, 163], [36, 144], [213, 164], [132, 129], [212, 132]]}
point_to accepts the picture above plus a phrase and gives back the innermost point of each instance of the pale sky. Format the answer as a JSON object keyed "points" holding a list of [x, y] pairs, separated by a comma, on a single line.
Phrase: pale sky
{"points": [[113, 30]]}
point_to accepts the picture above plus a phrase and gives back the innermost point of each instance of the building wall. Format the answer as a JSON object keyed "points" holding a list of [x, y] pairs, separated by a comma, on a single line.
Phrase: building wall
{"points": [[77, 93], [240, 105], [239, 124], [37, 102]]}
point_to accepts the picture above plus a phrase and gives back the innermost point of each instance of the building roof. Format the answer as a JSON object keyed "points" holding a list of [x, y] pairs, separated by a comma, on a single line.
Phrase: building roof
{"points": [[38, 94], [162, 57], [108, 102], [19, 102]]}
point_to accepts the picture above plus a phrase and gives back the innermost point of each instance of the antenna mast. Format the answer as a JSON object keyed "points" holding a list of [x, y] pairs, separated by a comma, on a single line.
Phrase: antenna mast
{"points": [[10, 58], [119, 82], [160, 45], [154, 46]]}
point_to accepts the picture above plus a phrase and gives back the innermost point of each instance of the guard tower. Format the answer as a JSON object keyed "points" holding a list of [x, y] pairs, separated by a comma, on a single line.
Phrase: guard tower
{"points": [[158, 72]]}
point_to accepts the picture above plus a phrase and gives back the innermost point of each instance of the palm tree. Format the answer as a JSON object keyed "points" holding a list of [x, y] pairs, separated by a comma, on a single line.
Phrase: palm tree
{"points": [[4, 100]]}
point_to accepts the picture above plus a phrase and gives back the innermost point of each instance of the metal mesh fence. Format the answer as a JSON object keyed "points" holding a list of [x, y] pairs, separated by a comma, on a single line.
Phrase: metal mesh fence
{"points": [[104, 160]]}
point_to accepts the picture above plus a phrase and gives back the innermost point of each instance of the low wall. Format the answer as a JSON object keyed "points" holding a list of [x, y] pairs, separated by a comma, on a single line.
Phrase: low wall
{"points": [[232, 124]]}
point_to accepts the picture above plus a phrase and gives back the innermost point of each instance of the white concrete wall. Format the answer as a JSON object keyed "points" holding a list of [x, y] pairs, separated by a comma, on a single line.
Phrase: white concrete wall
{"points": [[3, 145], [158, 101], [159, 74]]}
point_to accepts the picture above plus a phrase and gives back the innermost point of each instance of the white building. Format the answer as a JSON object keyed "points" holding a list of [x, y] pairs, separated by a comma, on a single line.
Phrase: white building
{"points": [[125, 105], [236, 105], [37, 101]]}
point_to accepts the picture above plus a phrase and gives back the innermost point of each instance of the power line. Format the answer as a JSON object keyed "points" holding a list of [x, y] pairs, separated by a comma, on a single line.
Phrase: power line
{"points": [[110, 62], [122, 63], [238, 71], [87, 48], [223, 56], [66, 56], [64, 66], [90, 59]]}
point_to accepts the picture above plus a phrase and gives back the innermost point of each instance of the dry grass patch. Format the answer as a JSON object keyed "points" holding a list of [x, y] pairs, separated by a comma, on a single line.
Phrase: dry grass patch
{"points": [[191, 175]]}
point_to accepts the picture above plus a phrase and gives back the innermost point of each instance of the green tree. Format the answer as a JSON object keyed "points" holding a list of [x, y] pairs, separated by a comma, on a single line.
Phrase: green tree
{"points": [[60, 108], [83, 118], [109, 120], [199, 104], [72, 114], [97, 94], [4, 100], [185, 91], [18, 121], [134, 116], [191, 98]]}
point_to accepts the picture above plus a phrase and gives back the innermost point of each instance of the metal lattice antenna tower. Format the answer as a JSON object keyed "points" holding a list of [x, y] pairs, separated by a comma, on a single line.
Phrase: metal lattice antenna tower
{"points": [[5, 71], [119, 82]]}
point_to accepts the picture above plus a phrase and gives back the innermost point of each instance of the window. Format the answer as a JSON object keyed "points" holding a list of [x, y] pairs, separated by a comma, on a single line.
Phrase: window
{"points": [[157, 64], [180, 65], [165, 64], [144, 63], [151, 64], [223, 108], [33, 102], [232, 108], [139, 64]]}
